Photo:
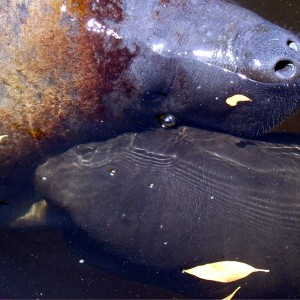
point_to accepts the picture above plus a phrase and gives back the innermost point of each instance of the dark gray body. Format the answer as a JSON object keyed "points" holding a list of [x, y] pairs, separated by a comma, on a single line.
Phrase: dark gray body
{"points": [[169, 200], [79, 73], [213, 51]]}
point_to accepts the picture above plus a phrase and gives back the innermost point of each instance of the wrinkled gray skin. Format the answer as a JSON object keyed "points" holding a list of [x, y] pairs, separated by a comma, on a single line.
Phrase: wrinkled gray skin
{"points": [[216, 32], [187, 72], [74, 74], [169, 200]]}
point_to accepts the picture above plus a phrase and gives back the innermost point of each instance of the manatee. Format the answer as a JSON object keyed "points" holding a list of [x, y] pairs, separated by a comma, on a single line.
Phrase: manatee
{"points": [[167, 200], [79, 71]]}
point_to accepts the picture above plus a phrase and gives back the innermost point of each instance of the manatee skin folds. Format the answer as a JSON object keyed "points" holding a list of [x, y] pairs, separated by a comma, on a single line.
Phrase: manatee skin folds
{"points": [[170, 200], [76, 71]]}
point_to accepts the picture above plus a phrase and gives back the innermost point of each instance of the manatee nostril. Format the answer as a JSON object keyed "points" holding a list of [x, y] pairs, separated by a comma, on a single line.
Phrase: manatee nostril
{"points": [[285, 69], [293, 45]]}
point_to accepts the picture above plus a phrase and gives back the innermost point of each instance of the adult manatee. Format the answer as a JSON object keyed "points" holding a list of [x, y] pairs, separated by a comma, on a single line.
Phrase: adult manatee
{"points": [[169, 200], [75, 71]]}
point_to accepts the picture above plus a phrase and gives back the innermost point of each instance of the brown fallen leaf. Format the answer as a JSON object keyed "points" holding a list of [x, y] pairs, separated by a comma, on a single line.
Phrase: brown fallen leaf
{"points": [[223, 271], [231, 295], [233, 101]]}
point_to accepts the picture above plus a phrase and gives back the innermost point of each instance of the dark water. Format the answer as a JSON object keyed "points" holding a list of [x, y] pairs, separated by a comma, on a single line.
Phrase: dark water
{"points": [[40, 264]]}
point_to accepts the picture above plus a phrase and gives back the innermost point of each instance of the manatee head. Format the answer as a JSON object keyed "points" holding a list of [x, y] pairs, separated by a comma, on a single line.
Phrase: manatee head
{"points": [[268, 53], [192, 68]]}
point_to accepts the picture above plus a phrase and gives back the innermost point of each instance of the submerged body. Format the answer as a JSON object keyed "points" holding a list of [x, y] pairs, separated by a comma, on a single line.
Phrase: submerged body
{"points": [[171, 200], [76, 71]]}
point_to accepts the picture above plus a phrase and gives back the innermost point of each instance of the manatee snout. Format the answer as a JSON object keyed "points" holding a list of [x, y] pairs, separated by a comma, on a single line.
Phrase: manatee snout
{"points": [[44, 173], [268, 53], [49, 171]]}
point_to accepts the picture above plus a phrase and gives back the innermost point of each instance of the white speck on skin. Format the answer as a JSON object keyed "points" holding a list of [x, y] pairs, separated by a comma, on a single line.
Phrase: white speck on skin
{"points": [[257, 63], [81, 261], [63, 8], [158, 48], [242, 76], [94, 26]]}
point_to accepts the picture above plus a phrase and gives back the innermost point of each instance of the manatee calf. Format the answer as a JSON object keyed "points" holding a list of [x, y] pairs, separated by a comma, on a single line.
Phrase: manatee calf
{"points": [[170, 200], [76, 71]]}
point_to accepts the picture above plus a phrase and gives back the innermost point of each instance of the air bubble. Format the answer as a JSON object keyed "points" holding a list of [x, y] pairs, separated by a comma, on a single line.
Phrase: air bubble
{"points": [[167, 121]]}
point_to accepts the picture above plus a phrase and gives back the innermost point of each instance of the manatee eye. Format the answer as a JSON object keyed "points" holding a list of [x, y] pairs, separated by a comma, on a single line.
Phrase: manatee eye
{"points": [[167, 121], [285, 69], [293, 45], [85, 153]]}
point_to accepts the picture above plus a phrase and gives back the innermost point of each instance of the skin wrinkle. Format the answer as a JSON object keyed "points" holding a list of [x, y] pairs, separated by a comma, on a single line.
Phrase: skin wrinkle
{"points": [[67, 82]]}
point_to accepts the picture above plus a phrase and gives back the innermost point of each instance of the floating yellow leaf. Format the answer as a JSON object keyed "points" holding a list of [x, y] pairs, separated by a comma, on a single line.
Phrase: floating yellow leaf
{"points": [[223, 271], [2, 137], [36, 216], [233, 101], [231, 295]]}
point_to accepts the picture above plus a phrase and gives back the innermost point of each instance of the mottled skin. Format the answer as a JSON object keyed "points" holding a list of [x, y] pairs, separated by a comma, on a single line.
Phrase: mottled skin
{"points": [[169, 200], [75, 71]]}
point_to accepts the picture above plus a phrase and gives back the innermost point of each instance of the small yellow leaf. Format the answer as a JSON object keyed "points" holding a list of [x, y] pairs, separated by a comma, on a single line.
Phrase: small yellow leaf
{"points": [[2, 137], [233, 101], [36, 216], [223, 271], [231, 295]]}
